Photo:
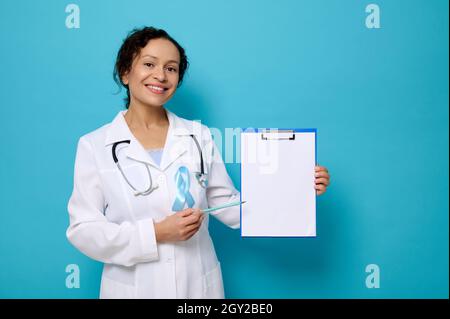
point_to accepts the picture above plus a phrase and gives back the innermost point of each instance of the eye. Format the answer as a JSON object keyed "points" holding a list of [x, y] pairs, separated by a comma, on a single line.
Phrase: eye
{"points": [[149, 64], [171, 69]]}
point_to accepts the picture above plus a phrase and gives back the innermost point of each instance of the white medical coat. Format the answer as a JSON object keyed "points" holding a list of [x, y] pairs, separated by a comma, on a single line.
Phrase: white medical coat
{"points": [[111, 225]]}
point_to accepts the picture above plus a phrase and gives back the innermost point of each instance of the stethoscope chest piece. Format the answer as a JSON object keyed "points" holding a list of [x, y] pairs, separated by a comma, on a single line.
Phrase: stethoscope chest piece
{"points": [[202, 179]]}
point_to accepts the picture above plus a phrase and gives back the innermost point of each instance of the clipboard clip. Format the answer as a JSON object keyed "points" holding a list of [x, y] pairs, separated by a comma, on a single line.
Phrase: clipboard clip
{"points": [[279, 138]]}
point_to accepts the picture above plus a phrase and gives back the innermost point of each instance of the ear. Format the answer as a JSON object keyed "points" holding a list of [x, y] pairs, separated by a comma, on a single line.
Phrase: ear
{"points": [[125, 78]]}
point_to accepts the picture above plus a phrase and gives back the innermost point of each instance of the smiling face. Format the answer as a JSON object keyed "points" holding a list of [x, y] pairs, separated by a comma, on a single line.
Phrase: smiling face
{"points": [[154, 73]]}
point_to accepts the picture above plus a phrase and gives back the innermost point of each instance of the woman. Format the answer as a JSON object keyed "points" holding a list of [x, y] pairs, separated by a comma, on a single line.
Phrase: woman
{"points": [[138, 187]]}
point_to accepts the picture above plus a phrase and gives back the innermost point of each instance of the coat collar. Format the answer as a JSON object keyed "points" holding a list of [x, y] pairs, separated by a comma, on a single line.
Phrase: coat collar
{"points": [[175, 145]]}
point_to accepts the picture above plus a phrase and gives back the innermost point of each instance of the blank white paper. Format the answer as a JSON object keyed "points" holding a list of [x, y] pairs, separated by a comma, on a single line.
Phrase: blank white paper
{"points": [[277, 183]]}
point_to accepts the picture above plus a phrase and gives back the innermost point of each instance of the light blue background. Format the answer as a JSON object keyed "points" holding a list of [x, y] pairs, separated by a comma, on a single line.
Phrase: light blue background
{"points": [[379, 99]]}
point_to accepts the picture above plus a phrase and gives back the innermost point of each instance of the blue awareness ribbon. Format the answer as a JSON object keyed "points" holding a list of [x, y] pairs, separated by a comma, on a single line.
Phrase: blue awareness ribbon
{"points": [[182, 181]]}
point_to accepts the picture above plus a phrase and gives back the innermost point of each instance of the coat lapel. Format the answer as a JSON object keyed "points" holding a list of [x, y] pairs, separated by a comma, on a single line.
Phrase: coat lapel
{"points": [[175, 144], [119, 131]]}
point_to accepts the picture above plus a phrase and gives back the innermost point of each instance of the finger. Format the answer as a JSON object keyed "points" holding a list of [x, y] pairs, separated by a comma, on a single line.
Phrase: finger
{"points": [[320, 168], [192, 219], [324, 181], [201, 219], [191, 228], [198, 213], [320, 188], [322, 174], [186, 212]]}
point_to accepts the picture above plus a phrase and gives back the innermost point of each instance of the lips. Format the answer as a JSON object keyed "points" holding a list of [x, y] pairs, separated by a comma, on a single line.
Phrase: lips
{"points": [[156, 88]]}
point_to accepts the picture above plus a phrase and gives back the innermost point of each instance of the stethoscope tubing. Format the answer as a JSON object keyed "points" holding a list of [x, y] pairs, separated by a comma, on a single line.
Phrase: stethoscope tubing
{"points": [[150, 189]]}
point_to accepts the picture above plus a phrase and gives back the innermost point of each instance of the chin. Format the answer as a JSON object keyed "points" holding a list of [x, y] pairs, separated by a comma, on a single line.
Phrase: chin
{"points": [[155, 102]]}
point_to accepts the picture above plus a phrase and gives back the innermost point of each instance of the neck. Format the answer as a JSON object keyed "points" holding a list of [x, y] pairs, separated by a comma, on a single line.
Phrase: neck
{"points": [[145, 116]]}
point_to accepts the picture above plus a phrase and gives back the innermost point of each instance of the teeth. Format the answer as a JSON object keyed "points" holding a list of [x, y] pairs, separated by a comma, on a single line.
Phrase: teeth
{"points": [[155, 88]]}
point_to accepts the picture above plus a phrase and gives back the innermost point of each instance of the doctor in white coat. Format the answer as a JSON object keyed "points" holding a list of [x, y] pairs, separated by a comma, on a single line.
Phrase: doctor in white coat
{"points": [[137, 199]]}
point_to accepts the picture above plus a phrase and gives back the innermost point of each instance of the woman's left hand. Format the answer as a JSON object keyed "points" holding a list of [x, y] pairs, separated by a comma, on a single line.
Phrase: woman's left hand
{"points": [[322, 180]]}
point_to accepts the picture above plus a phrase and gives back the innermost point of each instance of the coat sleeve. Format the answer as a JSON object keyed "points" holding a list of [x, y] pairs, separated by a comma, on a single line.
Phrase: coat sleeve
{"points": [[221, 190], [90, 232]]}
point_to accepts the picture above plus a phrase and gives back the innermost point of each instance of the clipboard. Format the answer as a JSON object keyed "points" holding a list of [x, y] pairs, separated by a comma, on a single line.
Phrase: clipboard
{"points": [[277, 182]]}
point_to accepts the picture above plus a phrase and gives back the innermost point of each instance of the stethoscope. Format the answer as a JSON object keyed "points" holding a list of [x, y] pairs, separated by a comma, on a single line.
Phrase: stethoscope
{"points": [[200, 176]]}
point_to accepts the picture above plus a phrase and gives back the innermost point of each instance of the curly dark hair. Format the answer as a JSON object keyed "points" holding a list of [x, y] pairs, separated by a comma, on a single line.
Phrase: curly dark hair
{"points": [[131, 47]]}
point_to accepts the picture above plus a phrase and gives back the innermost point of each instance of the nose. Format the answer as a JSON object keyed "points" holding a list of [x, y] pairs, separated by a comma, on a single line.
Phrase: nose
{"points": [[159, 74]]}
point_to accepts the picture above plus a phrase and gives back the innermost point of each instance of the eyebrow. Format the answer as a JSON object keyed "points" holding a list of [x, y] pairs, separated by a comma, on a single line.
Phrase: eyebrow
{"points": [[154, 57]]}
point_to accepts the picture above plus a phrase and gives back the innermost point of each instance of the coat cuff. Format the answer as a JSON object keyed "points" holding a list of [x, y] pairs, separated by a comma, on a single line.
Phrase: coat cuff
{"points": [[230, 216], [147, 235]]}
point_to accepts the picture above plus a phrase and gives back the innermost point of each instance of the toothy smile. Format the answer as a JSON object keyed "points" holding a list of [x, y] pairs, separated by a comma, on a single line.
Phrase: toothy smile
{"points": [[155, 89]]}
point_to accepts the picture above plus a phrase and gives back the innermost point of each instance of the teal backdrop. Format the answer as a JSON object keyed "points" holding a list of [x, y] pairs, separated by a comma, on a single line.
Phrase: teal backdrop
{"points": [[378, 98]]}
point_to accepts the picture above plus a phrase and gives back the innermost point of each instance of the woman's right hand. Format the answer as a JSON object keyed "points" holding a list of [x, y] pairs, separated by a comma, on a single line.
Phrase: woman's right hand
{"points": [[179, 226]]}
